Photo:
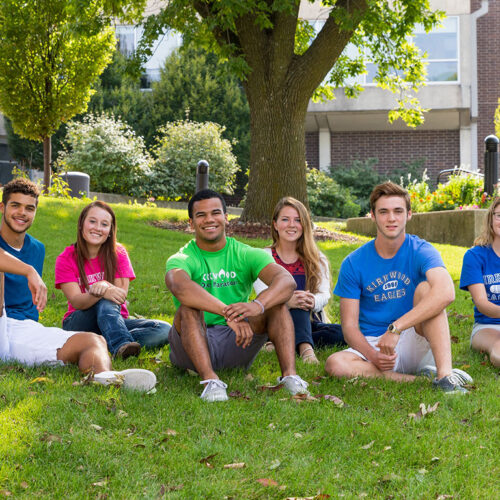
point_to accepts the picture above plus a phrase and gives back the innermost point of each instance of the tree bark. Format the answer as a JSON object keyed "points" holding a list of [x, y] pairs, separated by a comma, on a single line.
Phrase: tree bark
{"points": [[47, 159]]}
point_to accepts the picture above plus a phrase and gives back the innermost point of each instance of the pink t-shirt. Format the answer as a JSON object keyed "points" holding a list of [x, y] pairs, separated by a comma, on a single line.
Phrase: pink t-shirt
{"points": [[67, 272]]}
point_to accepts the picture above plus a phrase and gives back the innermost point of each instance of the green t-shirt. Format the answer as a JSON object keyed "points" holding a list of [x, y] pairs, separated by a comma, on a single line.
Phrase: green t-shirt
{"points": [[227, 274]]}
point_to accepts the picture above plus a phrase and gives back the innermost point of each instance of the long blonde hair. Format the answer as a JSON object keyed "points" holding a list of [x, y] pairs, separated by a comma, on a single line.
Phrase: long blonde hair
{"points": [[306, 247], [487, 234]]}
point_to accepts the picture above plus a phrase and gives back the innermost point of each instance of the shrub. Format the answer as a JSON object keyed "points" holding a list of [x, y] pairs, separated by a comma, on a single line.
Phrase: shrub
{"points": [[327, 198], [420, 193], [181, 146], [360, 178], [461, 190], [109, 151]]}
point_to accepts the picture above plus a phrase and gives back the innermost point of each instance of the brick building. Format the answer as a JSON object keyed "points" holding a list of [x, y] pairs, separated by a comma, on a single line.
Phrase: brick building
{"points": [[462, 93]]}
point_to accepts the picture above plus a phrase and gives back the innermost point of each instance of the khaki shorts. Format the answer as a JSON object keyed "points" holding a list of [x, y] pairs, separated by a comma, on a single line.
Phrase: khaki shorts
{"points": [[29, 342], [411, 349], [224, 353]]}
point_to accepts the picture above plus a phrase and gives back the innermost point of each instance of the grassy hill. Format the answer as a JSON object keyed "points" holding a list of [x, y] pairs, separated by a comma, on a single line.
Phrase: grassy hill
{"points": [[61, 440]]}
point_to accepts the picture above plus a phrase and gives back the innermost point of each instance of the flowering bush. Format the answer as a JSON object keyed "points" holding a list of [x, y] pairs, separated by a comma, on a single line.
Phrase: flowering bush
{"points": [[462, 191]]}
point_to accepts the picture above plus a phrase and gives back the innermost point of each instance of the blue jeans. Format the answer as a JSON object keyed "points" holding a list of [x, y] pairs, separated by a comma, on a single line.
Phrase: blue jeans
{"points": [[315, 332], [105, 319]]}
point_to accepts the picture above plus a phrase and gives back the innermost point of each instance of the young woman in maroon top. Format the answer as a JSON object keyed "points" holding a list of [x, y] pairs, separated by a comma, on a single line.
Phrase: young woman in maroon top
{"points": [[294, 248]]}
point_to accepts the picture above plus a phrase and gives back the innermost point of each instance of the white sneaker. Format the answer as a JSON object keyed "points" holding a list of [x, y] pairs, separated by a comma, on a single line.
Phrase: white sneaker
{"points": [[294, 384], [430, 371], [215, 390], [134, 378]]}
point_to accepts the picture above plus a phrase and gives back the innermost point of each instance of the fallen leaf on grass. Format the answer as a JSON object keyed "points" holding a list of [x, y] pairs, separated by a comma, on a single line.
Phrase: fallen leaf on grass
{"points": [[387, 448], [51, 438], [249, 377], [422, 471], [238, 465], [272, 388], [139, 445], [171, 432], [40, 380], [443, 497], [5, 493], [121, 414], [131, 431], [205, 460], [423, 411], [104, 482], [23, 484], [96, 427], [368, 446], [338, 402], [271, 426], [454, 339], [300, 398], [267, 482], [165, 488], [274, 464], [434, 459], [192, 373], [298, 435], [390, 477], [79, 403], [238, 394]]}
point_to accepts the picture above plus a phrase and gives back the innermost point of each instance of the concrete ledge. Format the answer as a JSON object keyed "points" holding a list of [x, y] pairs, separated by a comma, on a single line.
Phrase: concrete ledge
{"points": [[453, 227], [180, 205]]}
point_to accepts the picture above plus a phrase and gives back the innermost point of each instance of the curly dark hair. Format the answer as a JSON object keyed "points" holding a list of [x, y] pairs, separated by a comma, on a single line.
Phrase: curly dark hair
{"points": [[20, 185]]}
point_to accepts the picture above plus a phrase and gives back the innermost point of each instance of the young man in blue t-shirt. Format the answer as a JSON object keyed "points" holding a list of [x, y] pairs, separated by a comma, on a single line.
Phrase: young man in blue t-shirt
{"points": [[393, 293], [22, 338]]}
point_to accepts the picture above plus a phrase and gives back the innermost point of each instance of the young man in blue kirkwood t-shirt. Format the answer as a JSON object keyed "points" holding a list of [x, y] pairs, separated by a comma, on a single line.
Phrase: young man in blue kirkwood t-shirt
{"points": [[393, 293]]}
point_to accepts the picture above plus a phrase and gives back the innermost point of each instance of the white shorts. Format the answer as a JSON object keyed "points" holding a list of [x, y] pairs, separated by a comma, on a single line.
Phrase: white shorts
{"points": [[481, 326], [411, 349], [29, 342]]}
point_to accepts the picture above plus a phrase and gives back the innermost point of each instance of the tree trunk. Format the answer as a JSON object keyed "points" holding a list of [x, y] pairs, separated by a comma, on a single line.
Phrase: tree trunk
{"points": [[47, 159], [277, 153]]}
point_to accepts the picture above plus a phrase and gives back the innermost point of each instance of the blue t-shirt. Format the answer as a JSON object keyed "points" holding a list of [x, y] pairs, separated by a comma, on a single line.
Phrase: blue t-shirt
{"points": [[482, 265], [385, 287], [18, 298]]}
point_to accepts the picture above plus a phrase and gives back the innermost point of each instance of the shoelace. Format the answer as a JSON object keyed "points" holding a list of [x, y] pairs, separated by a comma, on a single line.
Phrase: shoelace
{"points": [[212, 382]]}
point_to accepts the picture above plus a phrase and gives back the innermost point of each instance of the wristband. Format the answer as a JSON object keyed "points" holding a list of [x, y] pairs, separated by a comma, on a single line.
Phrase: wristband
{"points": [[260, 304]]}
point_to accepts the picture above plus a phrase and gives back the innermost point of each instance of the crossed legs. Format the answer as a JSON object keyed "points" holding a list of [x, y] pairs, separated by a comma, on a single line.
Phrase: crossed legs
{"points": [[275, 322], [435, 330]]}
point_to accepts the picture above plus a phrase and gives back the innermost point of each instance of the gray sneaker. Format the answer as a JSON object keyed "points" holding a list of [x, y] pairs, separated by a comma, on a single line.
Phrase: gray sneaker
{"points": [[294, 384], [430, 372], [451, 384], [215, 390], [135, 379]]}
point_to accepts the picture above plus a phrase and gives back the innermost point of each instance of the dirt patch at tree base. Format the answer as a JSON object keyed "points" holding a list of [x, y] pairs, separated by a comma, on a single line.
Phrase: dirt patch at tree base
{"points": [[254, 230]]}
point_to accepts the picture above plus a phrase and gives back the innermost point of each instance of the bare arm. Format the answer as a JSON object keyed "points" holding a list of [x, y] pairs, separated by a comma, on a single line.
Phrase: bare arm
{"points": [[349, 317], [12, 265], [478, 293], [116, 293], [190, 294], [441, 294], [280, 287]]}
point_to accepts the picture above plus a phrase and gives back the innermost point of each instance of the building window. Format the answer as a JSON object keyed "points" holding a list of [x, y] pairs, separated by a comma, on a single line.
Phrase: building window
{"points": [[128, 39], [440, 45]]}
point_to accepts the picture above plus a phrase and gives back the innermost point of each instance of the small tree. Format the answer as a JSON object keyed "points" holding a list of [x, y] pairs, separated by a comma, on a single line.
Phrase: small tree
{"points": [[50, 53], [109, 151], [180, 146]]}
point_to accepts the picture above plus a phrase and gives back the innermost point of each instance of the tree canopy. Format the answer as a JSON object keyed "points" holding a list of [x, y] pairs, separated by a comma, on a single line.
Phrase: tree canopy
{"points": [[50, 53], [284, 61]]}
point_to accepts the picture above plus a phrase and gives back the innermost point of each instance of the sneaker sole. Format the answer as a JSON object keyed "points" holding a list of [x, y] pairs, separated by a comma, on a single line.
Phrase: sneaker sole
{"points": [[215, 397]]}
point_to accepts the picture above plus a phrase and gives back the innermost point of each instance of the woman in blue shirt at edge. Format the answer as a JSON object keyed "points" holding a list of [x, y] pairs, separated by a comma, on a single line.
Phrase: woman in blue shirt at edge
{"points": [[481, 276]]}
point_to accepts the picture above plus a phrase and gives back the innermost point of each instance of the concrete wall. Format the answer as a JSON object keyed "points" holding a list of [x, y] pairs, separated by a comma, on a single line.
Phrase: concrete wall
{"points": [[453, 227]]}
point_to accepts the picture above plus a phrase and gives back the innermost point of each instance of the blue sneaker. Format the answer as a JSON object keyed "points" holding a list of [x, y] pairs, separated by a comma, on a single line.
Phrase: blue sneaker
{"points": [[430, 372], [450, 384]]}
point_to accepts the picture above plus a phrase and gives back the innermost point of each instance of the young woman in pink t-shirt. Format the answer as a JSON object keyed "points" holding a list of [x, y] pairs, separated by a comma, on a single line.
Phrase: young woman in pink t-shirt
{"points": [[94, 274]]}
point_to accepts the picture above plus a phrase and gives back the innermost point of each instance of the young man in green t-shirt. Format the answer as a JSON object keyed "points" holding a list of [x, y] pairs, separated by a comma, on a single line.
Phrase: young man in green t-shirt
{"points": [[215, 326]]}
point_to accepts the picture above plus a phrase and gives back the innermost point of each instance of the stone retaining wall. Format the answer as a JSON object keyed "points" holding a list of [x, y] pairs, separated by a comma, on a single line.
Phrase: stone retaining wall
{"points": [[453, 227]]}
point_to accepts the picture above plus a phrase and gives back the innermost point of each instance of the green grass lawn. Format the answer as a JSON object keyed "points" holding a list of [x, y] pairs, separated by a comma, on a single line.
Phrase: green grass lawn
{"points": [[60, 440]]}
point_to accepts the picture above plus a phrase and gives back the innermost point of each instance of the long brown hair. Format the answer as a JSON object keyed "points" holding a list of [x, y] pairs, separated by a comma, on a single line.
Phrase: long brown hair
{"points": [[306, 247], [487, 234], [107, 252]]}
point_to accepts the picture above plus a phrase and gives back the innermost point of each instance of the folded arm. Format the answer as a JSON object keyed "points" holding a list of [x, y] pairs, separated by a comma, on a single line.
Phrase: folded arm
{"points": [[484, 306]]}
